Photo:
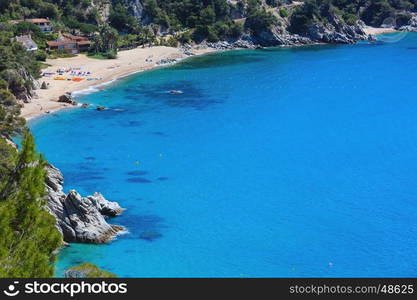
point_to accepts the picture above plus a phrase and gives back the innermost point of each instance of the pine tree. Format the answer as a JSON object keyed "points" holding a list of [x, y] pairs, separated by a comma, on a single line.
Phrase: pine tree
{"points": [[28, 231]]}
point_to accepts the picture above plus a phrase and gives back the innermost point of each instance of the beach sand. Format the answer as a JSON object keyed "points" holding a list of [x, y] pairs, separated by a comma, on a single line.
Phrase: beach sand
{"points": [[378, 30], [128, 62]]}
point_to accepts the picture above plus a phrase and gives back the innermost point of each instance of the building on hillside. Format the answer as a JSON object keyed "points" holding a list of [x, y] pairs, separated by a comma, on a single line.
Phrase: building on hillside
{"points": [[43, 24], [27, 42], [83, 43], [70, 43]]}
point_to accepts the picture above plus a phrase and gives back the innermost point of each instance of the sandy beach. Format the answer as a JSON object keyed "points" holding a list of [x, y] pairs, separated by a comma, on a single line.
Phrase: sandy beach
{"points": [[101, 71], [378, 30]]}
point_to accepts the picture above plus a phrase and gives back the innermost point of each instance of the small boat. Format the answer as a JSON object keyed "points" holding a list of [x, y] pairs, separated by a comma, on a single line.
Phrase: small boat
{"points": [[175, 92], [100, 108]]}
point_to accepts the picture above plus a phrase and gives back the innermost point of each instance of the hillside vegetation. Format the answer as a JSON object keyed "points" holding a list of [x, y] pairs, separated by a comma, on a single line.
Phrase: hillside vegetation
{"points": [[142, 21]]}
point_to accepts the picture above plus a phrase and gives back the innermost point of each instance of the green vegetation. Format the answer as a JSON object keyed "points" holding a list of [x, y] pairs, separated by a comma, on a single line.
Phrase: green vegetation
{"points": [[105, 43], [283, 13], [27, 230], [207, 19], [373, 13], [259, 19], [18, 68], [87, 270]]}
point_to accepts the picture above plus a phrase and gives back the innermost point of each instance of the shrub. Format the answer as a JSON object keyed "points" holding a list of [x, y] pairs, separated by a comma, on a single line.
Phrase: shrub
{"points": [[40, 55], [185, 37], [350, 19], [283, 13], [111, 54], [236, 29], [259, 19], [88, 270]]}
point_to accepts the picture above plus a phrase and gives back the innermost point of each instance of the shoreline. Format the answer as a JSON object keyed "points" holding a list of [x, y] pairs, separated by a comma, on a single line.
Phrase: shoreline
{"points": [[107, 71], [103, 72], [378, 30]]}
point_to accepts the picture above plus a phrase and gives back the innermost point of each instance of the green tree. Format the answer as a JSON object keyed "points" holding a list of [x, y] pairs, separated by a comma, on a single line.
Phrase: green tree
{"points": [[259, 19], [28, 232], [106, 42]]}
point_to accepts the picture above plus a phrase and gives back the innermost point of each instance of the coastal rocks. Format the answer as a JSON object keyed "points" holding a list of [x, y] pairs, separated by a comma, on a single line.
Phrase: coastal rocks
{"points": [[26, 98], [221, 45], [83, 221], [76, 273], [411, 26], [277, 37], [80, 219], [166, 61], [67, 98], [175, 92], [187, 50], [245, 44], [44, 86], [336, 31], [229, 45], [87, 270], [105, 207]]}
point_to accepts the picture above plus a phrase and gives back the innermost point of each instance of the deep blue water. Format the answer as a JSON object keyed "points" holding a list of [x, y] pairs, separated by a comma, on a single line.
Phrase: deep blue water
{"points": [[277, 162]]}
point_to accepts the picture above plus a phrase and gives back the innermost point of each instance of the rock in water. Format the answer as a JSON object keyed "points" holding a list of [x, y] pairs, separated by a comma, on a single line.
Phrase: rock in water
{"points": [[105, 207], [80, 219], [87, 270], [67, 98], [87, 223]]}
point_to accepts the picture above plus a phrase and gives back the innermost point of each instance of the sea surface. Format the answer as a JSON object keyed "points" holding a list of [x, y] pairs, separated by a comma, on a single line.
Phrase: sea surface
{"points": [[277, 162]]}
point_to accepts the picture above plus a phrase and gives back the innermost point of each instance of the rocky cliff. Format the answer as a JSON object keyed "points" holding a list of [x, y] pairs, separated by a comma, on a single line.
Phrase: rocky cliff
{"points": [[80, 219], [333, 31], [411, 25]]}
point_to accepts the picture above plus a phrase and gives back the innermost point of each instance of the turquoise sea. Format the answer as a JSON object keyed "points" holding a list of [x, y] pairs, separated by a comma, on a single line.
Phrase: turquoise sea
{"points": [[277, 162]]}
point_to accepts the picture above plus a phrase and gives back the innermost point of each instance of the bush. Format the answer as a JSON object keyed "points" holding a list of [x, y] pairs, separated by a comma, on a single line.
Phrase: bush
{"points": [[212, 35], [24, 28], [299, 22], [185, 37], [3, 84], [87, 270], [112, 54], [59, 54], [40, 55], [88, 28], [350, 19], [259, 19], [283, 13], [236, 29]]}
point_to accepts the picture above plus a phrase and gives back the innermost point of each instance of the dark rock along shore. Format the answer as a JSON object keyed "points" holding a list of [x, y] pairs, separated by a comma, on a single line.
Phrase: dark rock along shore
{"points": [[80, 219]]}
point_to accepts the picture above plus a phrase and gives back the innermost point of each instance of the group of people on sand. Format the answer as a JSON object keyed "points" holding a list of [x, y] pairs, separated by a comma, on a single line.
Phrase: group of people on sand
{"points": [[76, 72]]}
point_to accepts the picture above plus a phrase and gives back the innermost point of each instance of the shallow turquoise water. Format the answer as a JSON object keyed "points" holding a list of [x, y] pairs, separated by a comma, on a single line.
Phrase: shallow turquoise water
{"points": [[280, 162]]}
